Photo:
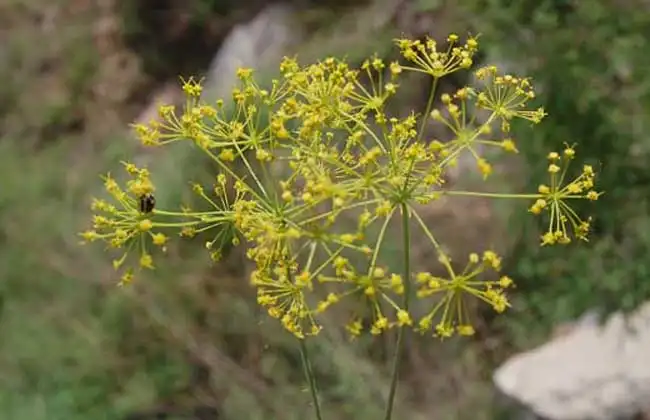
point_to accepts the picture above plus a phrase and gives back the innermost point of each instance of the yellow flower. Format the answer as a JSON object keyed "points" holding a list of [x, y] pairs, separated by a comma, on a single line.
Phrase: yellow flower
{"points": [[403, 318], [426, 57], [506, 96], [146, 261], [126, 279], [299, 157], [159, 239], [192, 88], [564, 221], [466, 330], [509, 145], [484, 167], [145, 225], [450, 307], [354, 328], [395, 68]]}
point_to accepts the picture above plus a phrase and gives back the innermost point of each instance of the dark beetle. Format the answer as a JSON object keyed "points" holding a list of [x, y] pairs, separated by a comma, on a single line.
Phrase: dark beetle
{"points": [[147, 203]]}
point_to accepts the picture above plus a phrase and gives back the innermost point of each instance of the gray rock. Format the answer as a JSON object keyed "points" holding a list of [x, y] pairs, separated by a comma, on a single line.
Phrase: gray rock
{"points": [[593, 372], [259, 44]]}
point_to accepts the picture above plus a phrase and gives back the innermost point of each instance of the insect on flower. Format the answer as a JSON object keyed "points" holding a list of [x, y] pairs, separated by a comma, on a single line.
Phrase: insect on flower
{"points": [[147, 203]]}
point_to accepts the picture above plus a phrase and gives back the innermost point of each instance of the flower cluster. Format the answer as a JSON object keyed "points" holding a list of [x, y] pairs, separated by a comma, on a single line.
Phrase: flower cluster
{"points": [[126, 225], [456, 288], [317, 144], [564, 221]]}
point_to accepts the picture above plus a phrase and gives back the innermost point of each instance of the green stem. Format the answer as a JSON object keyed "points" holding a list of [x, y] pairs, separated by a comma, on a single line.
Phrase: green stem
{"points": [[427, 110], [491, 195], [309, 375], [399, 345]]}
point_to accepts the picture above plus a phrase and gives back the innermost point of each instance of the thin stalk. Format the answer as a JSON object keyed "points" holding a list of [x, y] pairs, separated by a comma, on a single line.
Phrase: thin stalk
{"points": [[311, 379], [491, 195], [427, 110], [399, 344]]}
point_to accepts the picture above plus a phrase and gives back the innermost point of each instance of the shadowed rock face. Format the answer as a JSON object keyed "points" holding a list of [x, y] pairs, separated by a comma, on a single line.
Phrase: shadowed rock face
{"points": [[180, 36]]}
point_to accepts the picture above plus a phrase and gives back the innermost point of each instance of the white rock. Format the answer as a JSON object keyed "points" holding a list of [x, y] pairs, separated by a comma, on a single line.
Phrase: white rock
{"points": [[592, 373], [258, 44]]}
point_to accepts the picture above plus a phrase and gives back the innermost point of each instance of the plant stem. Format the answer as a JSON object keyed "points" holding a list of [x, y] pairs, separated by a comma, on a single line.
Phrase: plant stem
{"points": [[432, 95], [309, 375], [491, 195], [399, 344]]}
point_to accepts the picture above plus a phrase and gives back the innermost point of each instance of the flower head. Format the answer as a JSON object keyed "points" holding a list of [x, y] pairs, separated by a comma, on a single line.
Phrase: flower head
{"points": [[564, 222], [312, 169], [450, 294]]}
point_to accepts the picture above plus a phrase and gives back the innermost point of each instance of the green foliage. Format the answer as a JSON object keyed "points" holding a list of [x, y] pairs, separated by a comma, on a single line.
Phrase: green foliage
{"points": [[591, 58], [32, 103]]}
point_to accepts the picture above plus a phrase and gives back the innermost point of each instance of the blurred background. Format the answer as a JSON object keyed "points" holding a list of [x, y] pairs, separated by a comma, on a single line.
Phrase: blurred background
{"points": [[188, 342]]}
